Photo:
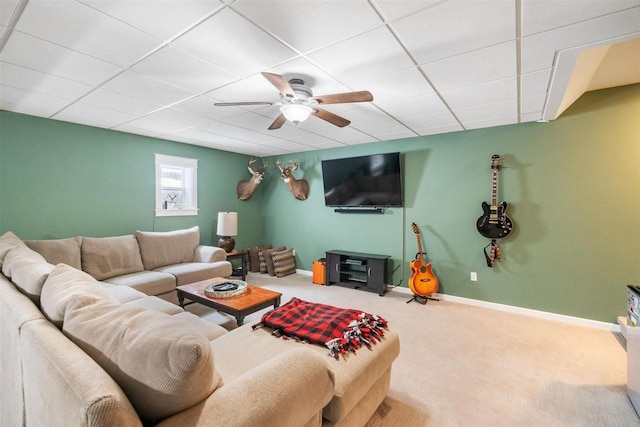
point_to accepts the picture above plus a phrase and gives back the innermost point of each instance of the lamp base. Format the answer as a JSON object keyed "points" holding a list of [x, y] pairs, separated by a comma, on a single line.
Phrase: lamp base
{"points": [[227, 243]]}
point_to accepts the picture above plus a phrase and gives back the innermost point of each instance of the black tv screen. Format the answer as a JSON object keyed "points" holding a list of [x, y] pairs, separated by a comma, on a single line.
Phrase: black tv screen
{"points": [[374, 180]]}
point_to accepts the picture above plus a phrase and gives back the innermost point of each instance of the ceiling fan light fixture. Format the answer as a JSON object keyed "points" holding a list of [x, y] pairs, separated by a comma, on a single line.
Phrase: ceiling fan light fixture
{"points": [[296, 113]]}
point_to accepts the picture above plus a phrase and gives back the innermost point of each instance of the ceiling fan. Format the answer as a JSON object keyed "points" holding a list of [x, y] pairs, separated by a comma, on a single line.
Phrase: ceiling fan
{"points": [[297, 102]]}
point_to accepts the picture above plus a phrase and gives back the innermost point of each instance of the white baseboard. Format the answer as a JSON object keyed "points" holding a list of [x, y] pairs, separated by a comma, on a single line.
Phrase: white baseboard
{"points": [[596, 324], [579, 321]]}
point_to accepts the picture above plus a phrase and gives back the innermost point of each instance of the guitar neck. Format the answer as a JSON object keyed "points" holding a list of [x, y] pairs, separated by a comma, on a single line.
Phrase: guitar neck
{"points": [[420, 253], [494, 189]]}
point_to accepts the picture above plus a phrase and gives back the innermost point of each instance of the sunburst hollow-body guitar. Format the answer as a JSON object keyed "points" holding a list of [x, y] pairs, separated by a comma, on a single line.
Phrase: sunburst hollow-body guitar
{"points": [[422, 281]]}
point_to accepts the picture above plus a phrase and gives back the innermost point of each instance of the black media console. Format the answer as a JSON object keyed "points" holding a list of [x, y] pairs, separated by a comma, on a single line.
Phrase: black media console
{"points": [[357, 270]]}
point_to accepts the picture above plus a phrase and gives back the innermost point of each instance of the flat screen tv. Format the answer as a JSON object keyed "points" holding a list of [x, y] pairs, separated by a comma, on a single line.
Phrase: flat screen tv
{"points": [[364, 181]]}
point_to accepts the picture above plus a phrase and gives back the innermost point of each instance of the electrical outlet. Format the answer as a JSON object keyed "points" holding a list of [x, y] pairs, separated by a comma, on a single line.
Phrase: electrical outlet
{"points": [[293, 251], [474, 276]]}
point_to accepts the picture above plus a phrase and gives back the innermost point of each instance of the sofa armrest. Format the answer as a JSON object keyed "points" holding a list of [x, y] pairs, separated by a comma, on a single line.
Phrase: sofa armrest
{"points": [[209, 254], [287, 390]]}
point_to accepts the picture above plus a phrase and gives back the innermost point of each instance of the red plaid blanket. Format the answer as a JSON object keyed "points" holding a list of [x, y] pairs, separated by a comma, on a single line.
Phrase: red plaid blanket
{"points": [[340, 329]]}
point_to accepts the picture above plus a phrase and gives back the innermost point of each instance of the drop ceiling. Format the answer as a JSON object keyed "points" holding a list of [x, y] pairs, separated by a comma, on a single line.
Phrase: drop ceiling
{"points": [[156, 68]]}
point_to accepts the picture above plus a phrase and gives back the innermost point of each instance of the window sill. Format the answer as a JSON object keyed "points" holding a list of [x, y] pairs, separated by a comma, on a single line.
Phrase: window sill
{"points": [[176, 212]]}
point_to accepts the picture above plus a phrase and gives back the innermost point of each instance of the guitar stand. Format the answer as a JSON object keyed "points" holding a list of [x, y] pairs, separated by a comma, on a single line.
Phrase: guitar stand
{"points": [[422, 300]]}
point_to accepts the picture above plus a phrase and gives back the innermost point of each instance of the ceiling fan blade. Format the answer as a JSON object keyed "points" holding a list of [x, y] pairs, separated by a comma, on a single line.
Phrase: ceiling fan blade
{"points": [[331, 118], [340, 98], [239, 104], [280, 83], [278, 122]]}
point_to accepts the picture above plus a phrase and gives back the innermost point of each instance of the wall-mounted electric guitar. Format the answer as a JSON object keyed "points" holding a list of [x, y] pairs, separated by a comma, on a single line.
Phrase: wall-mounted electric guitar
{"points": [[422, 281], [494, 222]]}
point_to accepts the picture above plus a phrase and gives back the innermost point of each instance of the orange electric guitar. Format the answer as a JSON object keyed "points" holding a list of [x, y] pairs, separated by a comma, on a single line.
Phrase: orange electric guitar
{"points": [[422, 281]]}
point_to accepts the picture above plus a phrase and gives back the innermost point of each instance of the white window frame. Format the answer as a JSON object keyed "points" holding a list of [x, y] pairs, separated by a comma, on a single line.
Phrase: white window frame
{"points": [[190, 167]]}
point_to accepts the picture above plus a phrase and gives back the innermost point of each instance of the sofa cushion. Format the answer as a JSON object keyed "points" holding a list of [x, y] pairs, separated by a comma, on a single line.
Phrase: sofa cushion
{"points": [[58, 251], [162, 364], [165, 248], [64, 284], [208, 329], [190, 272], [122, 294], [27, 270], [106, 257], [155, 304], [8, 241], [284, 263], [147, 282]]}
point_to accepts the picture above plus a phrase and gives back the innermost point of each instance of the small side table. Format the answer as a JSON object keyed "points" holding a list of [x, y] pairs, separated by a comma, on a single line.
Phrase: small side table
{"points": [[242, 256]]}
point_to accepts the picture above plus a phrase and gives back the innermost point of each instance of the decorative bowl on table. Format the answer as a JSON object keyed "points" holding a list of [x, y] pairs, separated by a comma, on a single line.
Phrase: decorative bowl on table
{"points": [[225, 288]]}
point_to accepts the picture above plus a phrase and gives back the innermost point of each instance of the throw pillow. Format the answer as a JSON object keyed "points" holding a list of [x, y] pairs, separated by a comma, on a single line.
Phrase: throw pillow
{"points": [[269, 260], [28, 270], [58, 251], [166, 248], [284, 262], [106, 257], [161, 363], [254, 258]]}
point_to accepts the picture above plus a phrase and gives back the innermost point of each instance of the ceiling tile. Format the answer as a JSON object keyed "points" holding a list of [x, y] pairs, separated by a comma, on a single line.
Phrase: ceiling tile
{"points": [[252, 89], [429, 121], [538, 51], [314, 140], [93, 116], [409, 83], [118, 102], [150, 126], [203, 106], [456, 27], [308, 25], [143, 87], [231, 42], [164, 19], [36, 54], [177, 117], [500, 121], [492, 63], [366, 114], [35, 81], [236, 132], [6, 10], [252, 121], [484, 93], [532, 104], [386, 130], [487, 112], [73, 25], [394, 9], [185, 70], [535, 83], [25, 101], [554, 14], [369, 55], [440, 129], [413, 106]]}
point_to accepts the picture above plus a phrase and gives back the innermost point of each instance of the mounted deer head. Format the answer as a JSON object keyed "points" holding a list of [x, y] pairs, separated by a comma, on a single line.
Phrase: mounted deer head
{"points": [[298, 187], [246, 188]]}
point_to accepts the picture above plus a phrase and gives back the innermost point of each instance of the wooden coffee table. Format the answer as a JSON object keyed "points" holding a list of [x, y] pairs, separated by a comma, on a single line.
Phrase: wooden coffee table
{"points": [[240, 306]]}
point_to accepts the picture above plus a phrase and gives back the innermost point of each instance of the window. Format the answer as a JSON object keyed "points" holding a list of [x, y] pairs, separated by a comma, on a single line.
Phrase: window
{"points": [[176, 186]]}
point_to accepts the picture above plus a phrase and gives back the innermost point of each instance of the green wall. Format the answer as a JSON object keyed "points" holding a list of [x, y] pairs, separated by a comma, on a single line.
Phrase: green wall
{"points": [[59, 179], [572, 186]]}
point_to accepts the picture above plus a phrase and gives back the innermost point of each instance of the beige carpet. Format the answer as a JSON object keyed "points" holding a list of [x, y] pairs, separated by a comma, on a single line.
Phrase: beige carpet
{"points": [[462, 365]]}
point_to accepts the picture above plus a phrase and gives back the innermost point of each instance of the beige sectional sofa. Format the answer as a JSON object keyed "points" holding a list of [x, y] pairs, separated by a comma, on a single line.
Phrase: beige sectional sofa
{"points": [[79, 351], [151, 262]]}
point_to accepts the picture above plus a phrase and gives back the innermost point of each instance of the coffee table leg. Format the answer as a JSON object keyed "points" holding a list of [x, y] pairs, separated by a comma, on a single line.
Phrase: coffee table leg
{"points": [[240, 319], [276, 303], [180, 299]]}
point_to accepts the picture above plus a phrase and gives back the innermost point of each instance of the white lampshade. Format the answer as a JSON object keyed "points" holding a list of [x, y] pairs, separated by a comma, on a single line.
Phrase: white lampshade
{"points": [[227, 224], [296, 113]]}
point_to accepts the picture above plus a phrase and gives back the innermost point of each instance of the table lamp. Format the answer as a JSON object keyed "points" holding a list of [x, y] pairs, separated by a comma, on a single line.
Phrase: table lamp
{"points": [[227, 227]]}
